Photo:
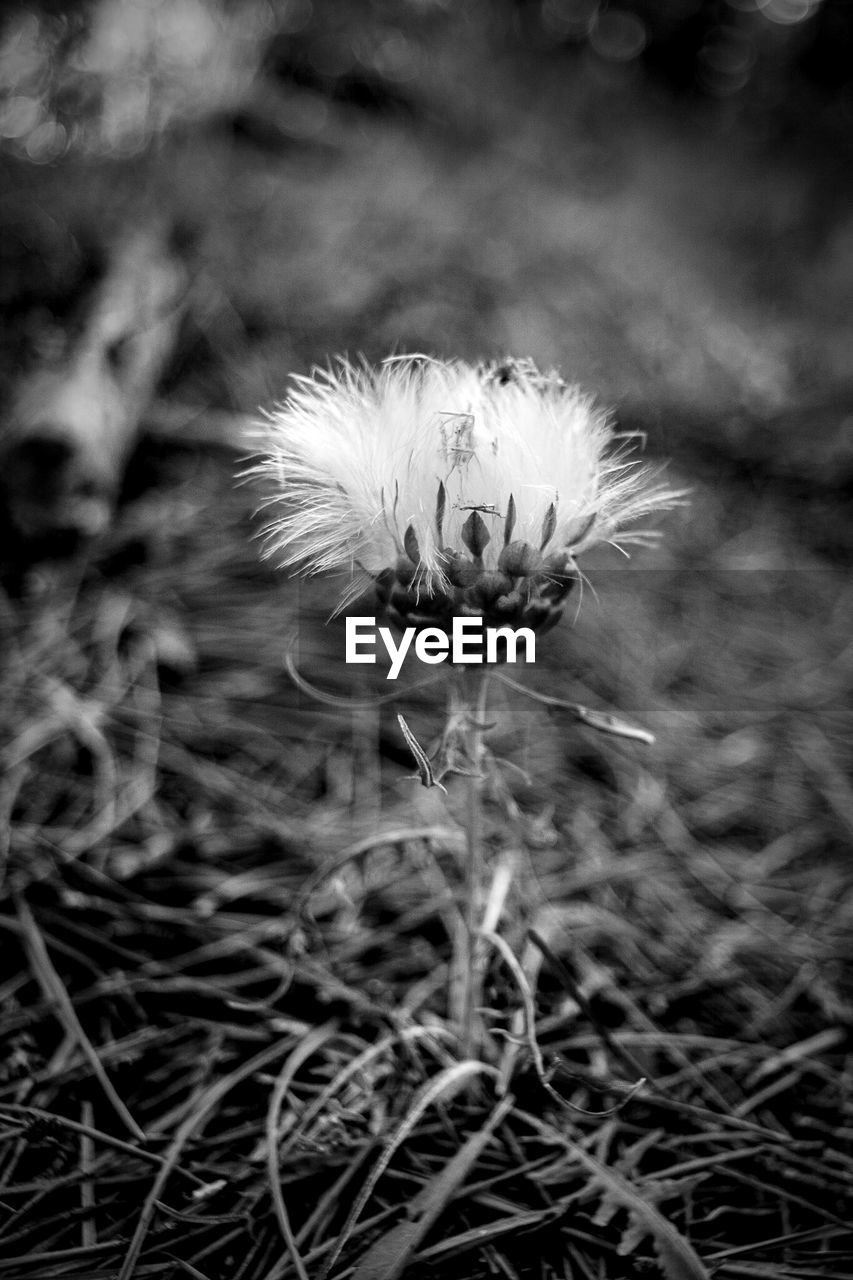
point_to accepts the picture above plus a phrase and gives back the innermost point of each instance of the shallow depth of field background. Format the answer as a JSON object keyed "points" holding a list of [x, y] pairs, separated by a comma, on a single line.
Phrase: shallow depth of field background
{"points": [[654, 197]]}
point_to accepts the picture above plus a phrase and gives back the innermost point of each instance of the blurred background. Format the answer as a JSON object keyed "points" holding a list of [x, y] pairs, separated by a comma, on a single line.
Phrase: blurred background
{"points": [[653, 195]]}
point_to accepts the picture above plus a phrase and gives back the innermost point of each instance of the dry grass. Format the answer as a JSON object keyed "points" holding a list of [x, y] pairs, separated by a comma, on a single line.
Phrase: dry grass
{"points": [[228, 913], [228, 921]]}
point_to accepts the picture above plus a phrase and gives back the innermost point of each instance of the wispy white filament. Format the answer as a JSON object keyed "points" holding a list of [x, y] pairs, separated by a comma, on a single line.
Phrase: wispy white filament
{"points": [[356, 457]]}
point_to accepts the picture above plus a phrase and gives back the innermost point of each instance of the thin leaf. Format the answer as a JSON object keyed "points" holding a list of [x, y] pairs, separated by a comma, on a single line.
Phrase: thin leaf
{"points": [[509, 523], [199, 1114], [601, 720], [446, 1082], [387, 1258], [15, 1111], [549, 524], [54, 991], [304, 1050], [529, 1009], [654, 1192], [358, 1064], [477, 1237], [425, 773], [440, 508], [331, 699], [678, 1258], [607, 723]]}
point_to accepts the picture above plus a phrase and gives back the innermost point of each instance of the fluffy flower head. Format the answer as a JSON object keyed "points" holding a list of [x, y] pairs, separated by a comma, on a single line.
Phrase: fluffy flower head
{"points": [[460, 485]]}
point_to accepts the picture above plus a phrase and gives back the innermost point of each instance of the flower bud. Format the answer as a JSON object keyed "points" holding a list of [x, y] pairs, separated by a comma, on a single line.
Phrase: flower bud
{"points": [[461, 572], [489, 586], [404, 571], [520, 559]]}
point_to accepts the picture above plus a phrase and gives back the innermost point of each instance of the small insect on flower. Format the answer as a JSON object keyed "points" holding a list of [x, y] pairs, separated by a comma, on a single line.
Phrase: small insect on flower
{"points": [[457, 431], [458, 490]]}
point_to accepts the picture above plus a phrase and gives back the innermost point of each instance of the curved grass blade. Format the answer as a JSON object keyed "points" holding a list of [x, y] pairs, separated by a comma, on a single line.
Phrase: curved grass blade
{"points": [[446, 1082], [388, 1257]]}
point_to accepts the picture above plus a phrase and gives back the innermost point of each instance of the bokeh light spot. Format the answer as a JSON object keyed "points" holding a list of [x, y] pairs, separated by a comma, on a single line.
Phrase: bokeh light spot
{"points": [[618, 35], [725, 61], [18, 116], [788, 12], [46, 142], [569, 19], [747, 6]]}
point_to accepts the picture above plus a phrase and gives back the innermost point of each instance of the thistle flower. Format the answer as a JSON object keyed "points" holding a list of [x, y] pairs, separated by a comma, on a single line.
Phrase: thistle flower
{"points": [[458, 489]]}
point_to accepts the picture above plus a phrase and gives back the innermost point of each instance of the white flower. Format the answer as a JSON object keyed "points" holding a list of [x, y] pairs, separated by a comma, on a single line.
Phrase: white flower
{"points": [[425, 461]]}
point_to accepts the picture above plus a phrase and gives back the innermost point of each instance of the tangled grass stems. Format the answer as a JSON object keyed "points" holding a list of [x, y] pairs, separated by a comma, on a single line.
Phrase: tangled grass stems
{"points": [[186, 922]]}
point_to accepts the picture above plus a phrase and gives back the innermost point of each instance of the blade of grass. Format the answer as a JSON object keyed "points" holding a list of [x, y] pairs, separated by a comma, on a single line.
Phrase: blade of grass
{"points": [[445, 1083], [197, 1117], [352, 1068], [603, 721], [678, 1258], [107, 1139], [54, 990], [512, 963], [388, 1257], [301, 1053]]}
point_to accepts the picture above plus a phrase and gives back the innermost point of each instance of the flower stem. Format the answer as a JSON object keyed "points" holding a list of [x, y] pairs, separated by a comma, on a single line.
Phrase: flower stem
{"points": [[474, 711]]}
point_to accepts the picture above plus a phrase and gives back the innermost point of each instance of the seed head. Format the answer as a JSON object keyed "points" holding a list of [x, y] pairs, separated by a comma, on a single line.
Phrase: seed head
{"points": [[457, 489]]}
